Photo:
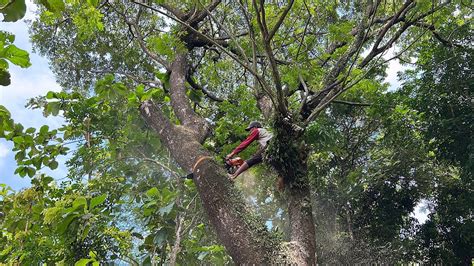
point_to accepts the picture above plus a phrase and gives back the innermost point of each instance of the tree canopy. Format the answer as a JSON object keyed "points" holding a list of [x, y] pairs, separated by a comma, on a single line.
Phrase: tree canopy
{"points": [[154, 90]]}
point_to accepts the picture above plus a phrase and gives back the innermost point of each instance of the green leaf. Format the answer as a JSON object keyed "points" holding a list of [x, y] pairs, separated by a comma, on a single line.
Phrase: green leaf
{"points": [[147, 261], [20, 155], [50, 5], [195, 96], [97, 201], [62, 227], [92, 255], [160, 237], [46, 180], [79, 202], [3, 62], [50, 95], [85, 232], [152, 192], [53, 108], [53, 165], [56, 6], [31, 171], [18, 140], [14, 11], [30, 130], [44, 129], [93, 3], [17, 56], [22, 171]]}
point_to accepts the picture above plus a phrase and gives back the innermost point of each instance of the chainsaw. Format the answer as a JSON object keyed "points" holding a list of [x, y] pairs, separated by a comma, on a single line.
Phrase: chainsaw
{"points": [[231, 165]]}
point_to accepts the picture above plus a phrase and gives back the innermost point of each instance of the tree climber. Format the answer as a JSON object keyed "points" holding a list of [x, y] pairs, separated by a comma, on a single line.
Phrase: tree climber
{"points": [[256, 133]]}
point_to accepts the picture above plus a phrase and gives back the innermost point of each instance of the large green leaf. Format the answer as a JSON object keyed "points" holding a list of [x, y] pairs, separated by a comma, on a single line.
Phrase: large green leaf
{"points": [[53, 165], [55, 5], [97, 201], [16, 55], [83, 262], [79, 202], [160, 237], [14, 10], [62, 227], [152, 192]]}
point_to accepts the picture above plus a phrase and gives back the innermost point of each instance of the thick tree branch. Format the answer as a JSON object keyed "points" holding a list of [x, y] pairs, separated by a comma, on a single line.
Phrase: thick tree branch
{"points": [[206, 11], [356, 80], [263, 95], [395, 19], [245, 236], [435, 34], [399, 17], [223, 38], [261, 17], [304, 33], [148, 82], [176, 12], [332, 88], [138, 35], [180, 101]]}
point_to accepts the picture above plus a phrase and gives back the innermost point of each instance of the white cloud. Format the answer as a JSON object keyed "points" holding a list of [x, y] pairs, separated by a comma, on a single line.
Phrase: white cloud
{"points": [[3, 150]]}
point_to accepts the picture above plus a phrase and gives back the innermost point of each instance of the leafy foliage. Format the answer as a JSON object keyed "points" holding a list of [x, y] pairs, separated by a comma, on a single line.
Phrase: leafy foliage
{"points": [[123, 198], [10, 52]]}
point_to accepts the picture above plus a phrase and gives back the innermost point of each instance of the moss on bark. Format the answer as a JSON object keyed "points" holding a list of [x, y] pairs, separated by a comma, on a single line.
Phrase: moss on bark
{"points": [[287, 153]]}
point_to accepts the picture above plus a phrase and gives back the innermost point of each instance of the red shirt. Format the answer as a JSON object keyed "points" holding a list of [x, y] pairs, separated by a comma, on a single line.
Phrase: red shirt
{"points": [[251, 137]]}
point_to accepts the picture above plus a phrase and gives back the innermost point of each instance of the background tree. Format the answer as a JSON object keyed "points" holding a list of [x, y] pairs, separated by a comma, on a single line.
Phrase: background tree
{"points": [[442, 92]]}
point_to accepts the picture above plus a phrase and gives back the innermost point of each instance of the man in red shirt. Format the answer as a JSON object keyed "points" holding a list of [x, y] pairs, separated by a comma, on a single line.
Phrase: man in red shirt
{"points": [[257, 133]]}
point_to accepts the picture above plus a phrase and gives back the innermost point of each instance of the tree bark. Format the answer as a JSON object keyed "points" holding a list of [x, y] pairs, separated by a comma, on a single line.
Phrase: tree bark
{"points": [[180, 101], [243, 234], [301, 223], [288, 155]]}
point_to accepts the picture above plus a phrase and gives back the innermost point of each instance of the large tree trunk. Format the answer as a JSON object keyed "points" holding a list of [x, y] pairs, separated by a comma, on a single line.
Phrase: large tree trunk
{"points": [[300, 214], [288, 154], [243, 234]]}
